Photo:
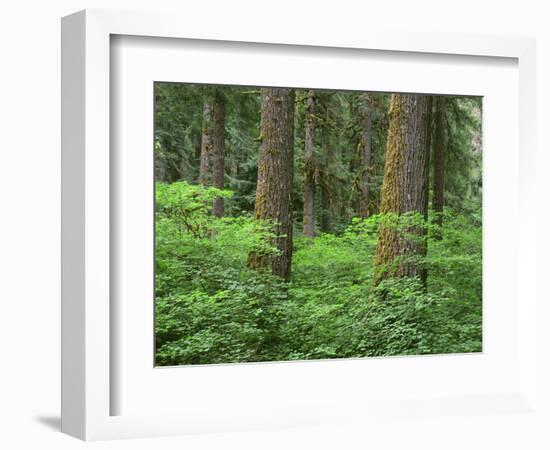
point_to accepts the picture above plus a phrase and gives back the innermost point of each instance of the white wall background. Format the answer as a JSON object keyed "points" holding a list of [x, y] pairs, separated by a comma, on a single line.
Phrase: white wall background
{"points": [[30, 196]]}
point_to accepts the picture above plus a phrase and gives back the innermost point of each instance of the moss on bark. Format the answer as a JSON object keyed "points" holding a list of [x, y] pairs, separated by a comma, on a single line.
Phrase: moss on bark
{"points": [[275, 173], [405, 185]]}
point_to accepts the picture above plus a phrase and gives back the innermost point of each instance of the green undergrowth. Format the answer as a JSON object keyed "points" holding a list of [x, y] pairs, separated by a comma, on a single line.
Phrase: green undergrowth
{"points": [[211, 308]]}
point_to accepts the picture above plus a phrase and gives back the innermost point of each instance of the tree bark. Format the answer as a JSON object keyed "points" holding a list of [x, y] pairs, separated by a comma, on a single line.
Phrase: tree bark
{"points": [[206, 141], [163, 168], [405, 185], [439, 162], [429, 125], [309, 165], [424, 251], [218, 150], [326, 222], [366, 155], [275, 172], [327, 163]]}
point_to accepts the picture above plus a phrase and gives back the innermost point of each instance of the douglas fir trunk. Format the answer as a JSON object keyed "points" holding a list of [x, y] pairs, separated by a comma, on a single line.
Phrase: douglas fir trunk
{"points": [[424, 244], [325, 179], [366, 155], [309, 165], [405, 185], [274, 187], [206, 141], [218, 149], [439, 161]]}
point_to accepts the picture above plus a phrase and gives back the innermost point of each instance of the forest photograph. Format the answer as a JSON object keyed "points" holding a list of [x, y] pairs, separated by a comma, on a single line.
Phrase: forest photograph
{"points": [[306, 224]]}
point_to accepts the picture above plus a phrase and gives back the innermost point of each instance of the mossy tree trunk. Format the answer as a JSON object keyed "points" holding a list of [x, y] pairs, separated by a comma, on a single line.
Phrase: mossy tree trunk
{"points": [[439, 161], [404, 187], [218, 149], [326, 222], [206, 141], [326, 181], [275, 173], [162, 170], [167, 161], [429, 129], [309, 165], [366, 155], [429, 125]]}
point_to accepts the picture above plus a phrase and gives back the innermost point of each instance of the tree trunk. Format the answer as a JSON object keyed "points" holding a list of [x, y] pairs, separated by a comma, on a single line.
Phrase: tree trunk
{"points": [[275, 167], [163, 168], [327, 163], [309, 165], [404, 187], [424, 251], [206, 141], [218, 150], [326, 223], [366, 155], [429, 125], [439, 162]]}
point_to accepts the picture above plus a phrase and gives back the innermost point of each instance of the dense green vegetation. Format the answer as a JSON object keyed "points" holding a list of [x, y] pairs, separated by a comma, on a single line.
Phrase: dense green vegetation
{"points": [[213, 305]]}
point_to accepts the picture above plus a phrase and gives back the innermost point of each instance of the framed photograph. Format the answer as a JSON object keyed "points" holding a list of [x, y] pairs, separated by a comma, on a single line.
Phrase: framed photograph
{"points": [[273, 229]]}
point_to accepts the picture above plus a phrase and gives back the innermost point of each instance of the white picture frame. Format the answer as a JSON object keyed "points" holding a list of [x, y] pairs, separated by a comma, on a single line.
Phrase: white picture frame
{"points": [[87, 328]]}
